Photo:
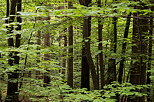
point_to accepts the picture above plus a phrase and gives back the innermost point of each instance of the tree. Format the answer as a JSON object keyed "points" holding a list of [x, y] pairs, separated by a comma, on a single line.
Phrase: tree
{"points": [[149, 65], [100, 48], [12, 86], [47, 56], [121, 67], [112, 61], [38, 54], [70, 52], [87, 61], [139, 49]]}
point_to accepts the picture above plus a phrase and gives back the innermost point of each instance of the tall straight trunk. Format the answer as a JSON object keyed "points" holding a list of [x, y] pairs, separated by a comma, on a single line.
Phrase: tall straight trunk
{"points": [[149, 60], [18, 36], [139, 50], [121, 67], [113, 48], [100, 48], [150, 51], [149, 67], [150, 47], [39, 37], [87, 62], [112, 61], [47, 56], [85, 68], [70, 53], [12, 86], [38, 54]]}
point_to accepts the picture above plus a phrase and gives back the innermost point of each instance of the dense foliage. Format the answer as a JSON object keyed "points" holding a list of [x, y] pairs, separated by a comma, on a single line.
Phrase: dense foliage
{"points": [[44, 50]]}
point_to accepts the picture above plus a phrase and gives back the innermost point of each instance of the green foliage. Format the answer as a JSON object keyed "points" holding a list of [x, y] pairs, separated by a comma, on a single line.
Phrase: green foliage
{"points": [[58, 91], [32, 55]]}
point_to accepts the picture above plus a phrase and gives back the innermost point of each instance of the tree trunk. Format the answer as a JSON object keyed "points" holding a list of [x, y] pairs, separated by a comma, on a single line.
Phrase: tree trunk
{"points": [[38, 54], [85, 80], [112, 61], [70, 53], [12, 86], [100, 48], [140, 29], [85, 73], [121, 67], [87, 62], [47, 56], [149, 98], [139, 50]]}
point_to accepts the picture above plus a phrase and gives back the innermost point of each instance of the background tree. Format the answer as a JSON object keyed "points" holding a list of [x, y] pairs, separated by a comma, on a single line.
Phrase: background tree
{"points": [[100, 47], [121, 67], [112, 61], [70, 52]]}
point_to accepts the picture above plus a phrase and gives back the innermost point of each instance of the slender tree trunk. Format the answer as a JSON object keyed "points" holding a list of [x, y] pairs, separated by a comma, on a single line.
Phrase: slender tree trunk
{"points": [[12, 86], [87, 62], [149, 98], [150, 51], [39, 37], [47, 56], [70, 53], [121, 67], [100, 48], [149, 59], [112, 61], [38, 54]]}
